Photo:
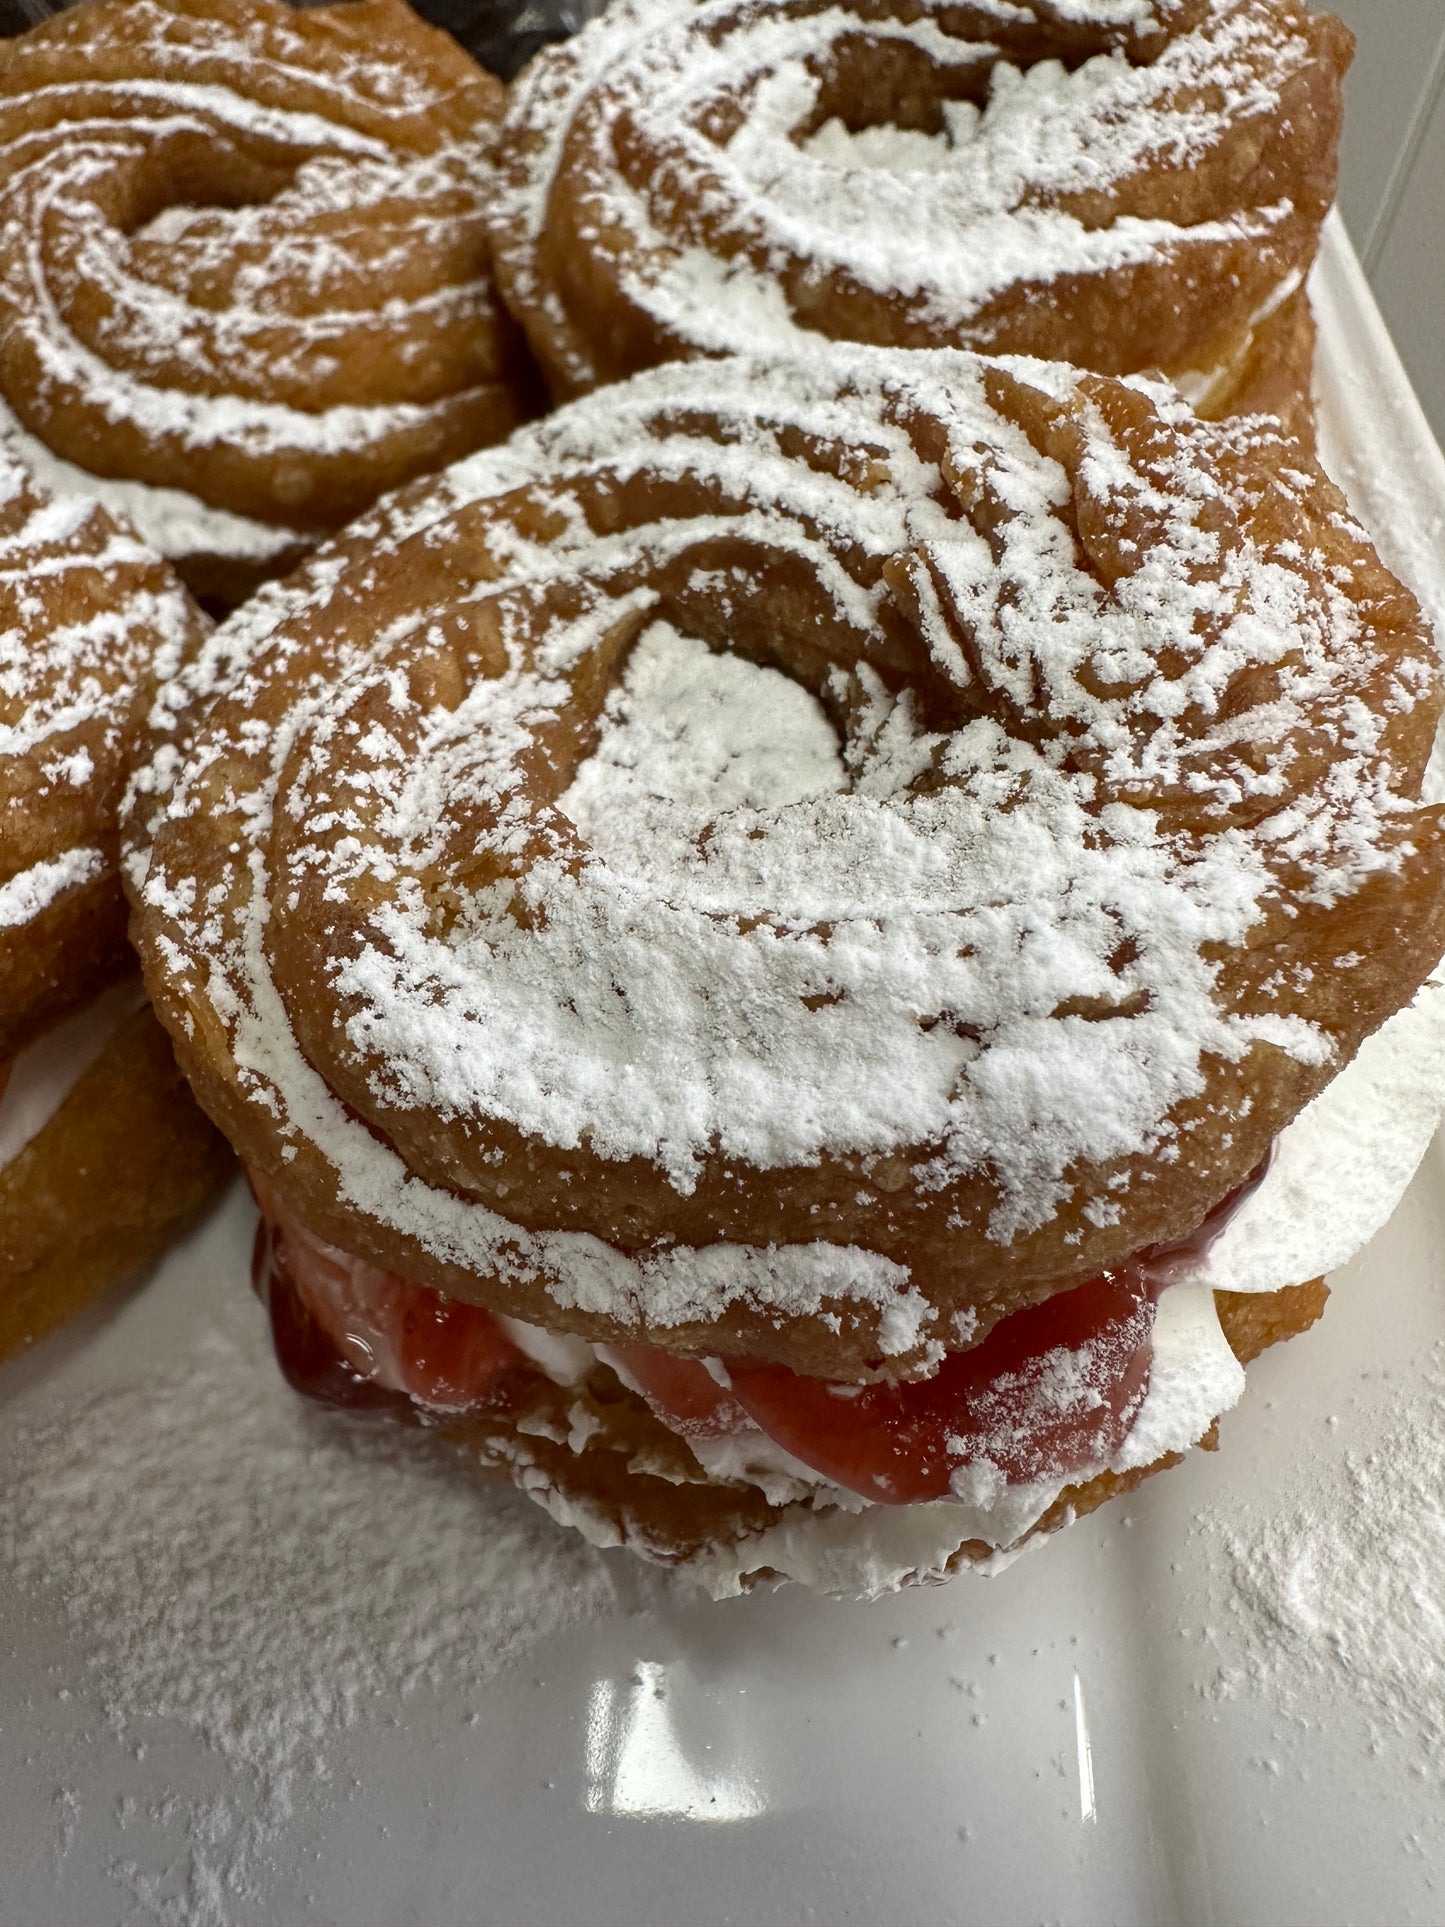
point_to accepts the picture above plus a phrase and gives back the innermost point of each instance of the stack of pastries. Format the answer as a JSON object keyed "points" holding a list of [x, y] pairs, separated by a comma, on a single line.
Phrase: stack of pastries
{"points": [[783, 946]]}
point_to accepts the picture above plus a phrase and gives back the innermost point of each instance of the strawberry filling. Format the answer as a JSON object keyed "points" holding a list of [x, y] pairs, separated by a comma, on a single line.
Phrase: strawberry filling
{"points": [[1049, 1393], [353, 1334]]}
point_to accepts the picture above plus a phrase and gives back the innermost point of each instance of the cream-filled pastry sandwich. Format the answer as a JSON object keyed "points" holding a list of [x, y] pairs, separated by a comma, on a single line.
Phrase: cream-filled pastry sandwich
{"points": [[780, 948]]}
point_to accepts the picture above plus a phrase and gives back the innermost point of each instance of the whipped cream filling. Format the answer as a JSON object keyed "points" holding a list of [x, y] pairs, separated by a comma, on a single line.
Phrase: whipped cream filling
{"points": [[1194, 1376], [44, 1074], [172, 522], [565, 1359], [1343, 1165]]}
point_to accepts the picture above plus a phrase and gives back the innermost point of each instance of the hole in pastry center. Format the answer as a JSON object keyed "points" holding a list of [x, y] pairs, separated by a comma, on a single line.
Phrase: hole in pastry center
{"points": [[689, 735], [166, 203], [895, 149], [900, 112], [883, 96]]}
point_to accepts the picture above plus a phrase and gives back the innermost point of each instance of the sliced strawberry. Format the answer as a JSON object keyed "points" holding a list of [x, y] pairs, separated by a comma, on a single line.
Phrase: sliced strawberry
{"points": [[449, 1353], [681, 1391], [306, 1353], [1050, 1392]]}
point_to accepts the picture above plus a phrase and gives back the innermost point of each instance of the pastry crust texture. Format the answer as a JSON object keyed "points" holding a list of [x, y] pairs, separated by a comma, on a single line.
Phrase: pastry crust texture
{"points": [[1121, 855], [91, 622], [104, 1186], [243, 267], [1127, 186]]}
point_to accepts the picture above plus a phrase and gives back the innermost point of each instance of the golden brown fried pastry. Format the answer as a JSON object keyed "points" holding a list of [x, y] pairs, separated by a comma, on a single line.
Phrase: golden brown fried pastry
{"points": [[111, 1174], [91, 621], [102, 1150], [1091, 849], [1122, 186], [243, 271]]}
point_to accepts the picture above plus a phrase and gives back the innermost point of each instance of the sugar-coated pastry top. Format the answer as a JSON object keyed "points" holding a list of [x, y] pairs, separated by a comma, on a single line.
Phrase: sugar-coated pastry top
{"points": [[90, 622], [242, 254], [1126, 184], [1100, 852]]}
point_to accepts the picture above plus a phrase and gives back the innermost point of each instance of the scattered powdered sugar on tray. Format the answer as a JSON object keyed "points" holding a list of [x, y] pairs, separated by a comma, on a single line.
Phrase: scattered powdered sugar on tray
{"points": [[270, 1576], [1340, 1597]]}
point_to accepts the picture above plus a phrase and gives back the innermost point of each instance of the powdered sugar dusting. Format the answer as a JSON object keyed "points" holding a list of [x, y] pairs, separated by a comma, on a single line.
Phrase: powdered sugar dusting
{"points": [[702, 134], [581, 1272], [859, 967], [688, 735], [1043, 134], [88, 623], [175, 524], [891, 874], [25, 896], [1337, 1594]]}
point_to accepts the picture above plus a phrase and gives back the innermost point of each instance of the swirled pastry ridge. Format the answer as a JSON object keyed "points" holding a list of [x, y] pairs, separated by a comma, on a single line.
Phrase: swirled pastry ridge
{"points": [[1122, 186], [243, 265], [1122, 857], [91, 621]]}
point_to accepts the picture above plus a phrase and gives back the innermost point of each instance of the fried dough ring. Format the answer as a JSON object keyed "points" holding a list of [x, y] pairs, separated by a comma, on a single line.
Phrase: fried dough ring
{"points": [[242, 258], [1139, 189], [1128, 860], [90, 623]]}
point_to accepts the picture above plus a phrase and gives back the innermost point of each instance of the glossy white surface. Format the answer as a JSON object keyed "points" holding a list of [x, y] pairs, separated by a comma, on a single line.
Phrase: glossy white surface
{"points": [[1086, 1737]]}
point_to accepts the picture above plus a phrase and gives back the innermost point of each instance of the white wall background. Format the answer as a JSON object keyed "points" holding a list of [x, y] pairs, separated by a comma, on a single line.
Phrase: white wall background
{"points": [[1392, 178]]}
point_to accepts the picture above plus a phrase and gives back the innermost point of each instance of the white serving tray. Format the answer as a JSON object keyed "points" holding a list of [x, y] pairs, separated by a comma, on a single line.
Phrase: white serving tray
{"points": [[1101, 1733]]}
